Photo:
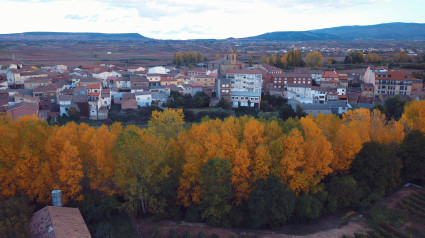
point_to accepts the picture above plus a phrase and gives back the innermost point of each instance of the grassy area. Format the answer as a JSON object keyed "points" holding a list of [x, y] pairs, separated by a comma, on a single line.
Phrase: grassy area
{"points": [[405, 221], [122, 227]]}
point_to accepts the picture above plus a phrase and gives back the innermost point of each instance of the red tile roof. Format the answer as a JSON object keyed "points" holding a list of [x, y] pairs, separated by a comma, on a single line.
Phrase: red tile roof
{"points": [[55, 222], [393, 75], [244, 71], [94, 86], [329, 74]]}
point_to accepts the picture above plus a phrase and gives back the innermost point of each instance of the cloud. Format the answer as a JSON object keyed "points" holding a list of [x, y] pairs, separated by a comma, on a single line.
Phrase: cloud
{"points": [[183, 19], [75, 17]]}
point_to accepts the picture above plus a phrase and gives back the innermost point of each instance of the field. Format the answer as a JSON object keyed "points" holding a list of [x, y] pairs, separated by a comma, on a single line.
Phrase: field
{"points": [[160, 52]]}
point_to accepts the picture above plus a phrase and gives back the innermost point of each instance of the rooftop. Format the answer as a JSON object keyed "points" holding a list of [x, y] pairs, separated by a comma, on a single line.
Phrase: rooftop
{"points": [[55, 222]]}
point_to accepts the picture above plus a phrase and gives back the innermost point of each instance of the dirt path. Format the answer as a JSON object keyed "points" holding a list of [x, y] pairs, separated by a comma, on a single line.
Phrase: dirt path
{"points": [[349, 230], [194, 228]]}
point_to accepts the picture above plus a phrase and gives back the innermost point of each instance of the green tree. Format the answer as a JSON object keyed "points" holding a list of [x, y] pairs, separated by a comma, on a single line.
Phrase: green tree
{"points": [[412, 154], [307, 207], [73, 113], [379, 106], [394, 107], [286, 112], [271, 203], [223, 103], [14, 218], [343, 189], [376, 170], [217, 191], [250, 61], [141, 169], [354, 57], [103, 230]]}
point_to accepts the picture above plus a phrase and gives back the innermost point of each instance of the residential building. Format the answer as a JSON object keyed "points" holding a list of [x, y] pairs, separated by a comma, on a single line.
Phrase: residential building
{"points": [[367, 89], [56, 222], [64, 102], [48, 93], [154, 79], [158, 70], [224, 88], [334, 107], [144, 99], [23, 109], [26, 98], [36, 82], [329, 75], [245, 87], [393, 82], [137, 82], [282, 80], [13, 76], [191, 89], [270, 69], [300, 92], [204, 80]]}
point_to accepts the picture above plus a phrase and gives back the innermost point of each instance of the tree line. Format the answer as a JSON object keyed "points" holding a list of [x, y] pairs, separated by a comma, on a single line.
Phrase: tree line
{"points": [[236, 172], [187, 58]]}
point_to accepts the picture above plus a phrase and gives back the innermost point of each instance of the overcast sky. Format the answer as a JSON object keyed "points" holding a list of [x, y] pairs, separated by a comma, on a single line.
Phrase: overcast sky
{"points": [[199, 19]]}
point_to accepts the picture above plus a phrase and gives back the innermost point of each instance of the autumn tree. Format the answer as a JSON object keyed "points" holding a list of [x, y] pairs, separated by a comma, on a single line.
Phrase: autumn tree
{"points": [[167, 123], [101, 145], [401, 57], [70, 173], [294, 58], [373, 58], [314, 59], [413, 117], [250, 61]]}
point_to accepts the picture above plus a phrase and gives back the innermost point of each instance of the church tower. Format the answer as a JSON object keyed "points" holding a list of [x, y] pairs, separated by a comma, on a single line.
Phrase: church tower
{"points": [[231, 57]]}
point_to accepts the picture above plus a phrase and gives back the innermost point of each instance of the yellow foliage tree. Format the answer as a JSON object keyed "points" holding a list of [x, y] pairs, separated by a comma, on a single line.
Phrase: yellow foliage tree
{"points": [[413, 117], [70, 173]]}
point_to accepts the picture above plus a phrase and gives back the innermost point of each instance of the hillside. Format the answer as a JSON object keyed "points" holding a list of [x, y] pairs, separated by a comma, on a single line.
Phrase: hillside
{"points": [[73, 36], [386, 31]]}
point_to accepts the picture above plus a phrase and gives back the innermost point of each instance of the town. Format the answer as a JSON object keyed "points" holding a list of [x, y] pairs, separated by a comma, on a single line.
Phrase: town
{"points": [[97, 92]]}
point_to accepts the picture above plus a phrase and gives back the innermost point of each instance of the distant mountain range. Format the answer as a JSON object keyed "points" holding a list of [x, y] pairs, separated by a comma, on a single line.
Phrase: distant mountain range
{"points": [[387, 31], [73, 36]]}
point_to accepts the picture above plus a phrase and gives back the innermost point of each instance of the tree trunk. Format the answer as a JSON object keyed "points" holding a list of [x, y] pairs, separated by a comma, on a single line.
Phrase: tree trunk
{"points": [[143, 204]]}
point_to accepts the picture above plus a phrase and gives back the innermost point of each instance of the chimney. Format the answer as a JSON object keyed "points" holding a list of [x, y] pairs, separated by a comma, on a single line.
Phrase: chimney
{"points": [[57, 198]]}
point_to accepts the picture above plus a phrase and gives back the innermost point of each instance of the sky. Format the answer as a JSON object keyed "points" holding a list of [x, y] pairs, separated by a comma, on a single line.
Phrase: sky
{"points": [[200, 19]]}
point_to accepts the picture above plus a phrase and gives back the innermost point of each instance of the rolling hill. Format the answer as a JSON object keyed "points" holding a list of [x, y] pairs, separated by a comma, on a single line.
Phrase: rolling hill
{"points": [[73, 36], [386, 31]]}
